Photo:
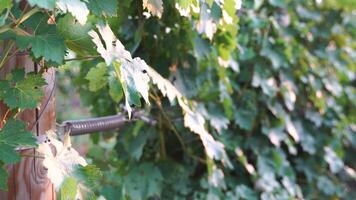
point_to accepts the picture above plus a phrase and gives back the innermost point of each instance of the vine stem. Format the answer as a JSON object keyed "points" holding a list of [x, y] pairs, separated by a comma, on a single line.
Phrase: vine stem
{"points": [[162, 141], [173, 128], [17, 112], [5, 28], [4, 58], [14, 26], [5, 116], [82, 58], [32, 156], [26, 16], [158, 103], [20, 20]]}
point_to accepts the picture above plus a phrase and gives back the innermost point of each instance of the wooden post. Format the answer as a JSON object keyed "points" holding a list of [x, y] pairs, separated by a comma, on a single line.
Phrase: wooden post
{"points": [[28, 178]]}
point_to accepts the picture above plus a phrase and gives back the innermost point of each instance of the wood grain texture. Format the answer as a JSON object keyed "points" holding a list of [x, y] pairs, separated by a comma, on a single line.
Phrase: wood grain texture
{"points": [[28, 178]]}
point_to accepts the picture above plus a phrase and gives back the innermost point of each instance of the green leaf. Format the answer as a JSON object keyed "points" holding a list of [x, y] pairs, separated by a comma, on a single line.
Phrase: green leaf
{"points": [[229, 7], [344, 4], [8, 154], [69, 189], [184, 3], [115, 88], [50, 47], [143, 181], [276, 58], [134, 80], [277, 3], [47, 4], [103, 7], [110, 193], [97, 77], [326, 185], [244, 192], [13, 134], [22, 91], [136, 145], [5, 4], [155, 7], [246, 110], [3, 178], [89, 175], [76, 8], [201, 48], [335, 163], [76, 35]]}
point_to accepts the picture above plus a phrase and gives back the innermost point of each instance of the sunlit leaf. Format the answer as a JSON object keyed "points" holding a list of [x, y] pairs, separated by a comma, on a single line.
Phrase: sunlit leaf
{"points": [[77, 8], [154, 6], [61, 164], [97, 77]]}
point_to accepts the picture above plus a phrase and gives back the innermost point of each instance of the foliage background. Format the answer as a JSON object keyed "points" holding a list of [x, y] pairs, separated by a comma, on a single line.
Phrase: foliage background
{"points": [[276, 87]]}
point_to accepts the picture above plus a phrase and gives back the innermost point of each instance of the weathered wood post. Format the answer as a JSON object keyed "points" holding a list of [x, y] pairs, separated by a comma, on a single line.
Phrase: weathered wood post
{"points": [[28, 178]]}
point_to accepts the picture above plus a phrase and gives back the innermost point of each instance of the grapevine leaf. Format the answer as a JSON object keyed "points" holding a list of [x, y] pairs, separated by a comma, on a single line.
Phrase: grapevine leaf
{"points": [[8, 154], [292, 130], [229, 9], [110, 193], [184, 3], [132, 97], [143, 181], [13, 134], [97, 77], [5, 4], [214, 149], [216, 178], [103, 7], [244, 192], [134, 81], [136, 146], [47, 4], [289, 93], [50, 47], [112, 49], [193, 119], [63, 163], [274, 56], [183, 7], [335, 163], [76, 35], [69, 188], [89, 175], [277, 3], [131, 72], [22, 91], [206, 24], [154, 6], [115, 88], [217, 120], [77, 8], [246, 111], [326, 185]]}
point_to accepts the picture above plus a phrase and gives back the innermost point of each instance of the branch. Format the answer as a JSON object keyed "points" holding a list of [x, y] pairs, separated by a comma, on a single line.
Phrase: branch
{"points": [[19, 21], [82, 58]]}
